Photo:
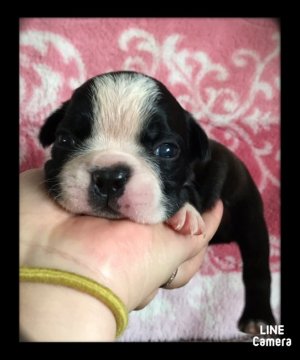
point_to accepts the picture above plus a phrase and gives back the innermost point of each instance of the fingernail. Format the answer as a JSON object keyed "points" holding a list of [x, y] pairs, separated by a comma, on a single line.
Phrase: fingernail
{"points": [[194, 229], [179, 226]]}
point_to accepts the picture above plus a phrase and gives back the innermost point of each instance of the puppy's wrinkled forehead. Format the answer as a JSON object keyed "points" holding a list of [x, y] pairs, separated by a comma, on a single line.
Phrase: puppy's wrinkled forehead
{"points": [[121, 105]]}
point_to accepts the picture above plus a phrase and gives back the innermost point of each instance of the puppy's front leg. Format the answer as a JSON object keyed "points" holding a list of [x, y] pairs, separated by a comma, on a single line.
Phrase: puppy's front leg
{"points": [[187, 221]]}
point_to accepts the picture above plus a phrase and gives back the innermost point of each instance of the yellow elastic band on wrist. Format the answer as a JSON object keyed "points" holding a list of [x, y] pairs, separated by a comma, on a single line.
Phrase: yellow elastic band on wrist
{"points": [[83, 284]]}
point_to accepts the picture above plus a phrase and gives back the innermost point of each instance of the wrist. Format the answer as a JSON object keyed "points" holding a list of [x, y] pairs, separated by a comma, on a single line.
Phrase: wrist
{"points": [[58, 313], [52, 260], [57, 253]]}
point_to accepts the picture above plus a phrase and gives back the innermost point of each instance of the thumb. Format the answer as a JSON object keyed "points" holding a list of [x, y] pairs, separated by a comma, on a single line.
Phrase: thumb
{"points": [[212, 219]]}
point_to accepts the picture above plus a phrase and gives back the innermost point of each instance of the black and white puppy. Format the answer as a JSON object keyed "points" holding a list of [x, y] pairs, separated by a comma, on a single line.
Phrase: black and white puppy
{"points": [[123, 147]]}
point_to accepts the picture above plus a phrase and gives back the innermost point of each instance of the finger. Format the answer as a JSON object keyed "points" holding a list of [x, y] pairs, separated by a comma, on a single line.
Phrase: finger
{"points": [[197, 245], [185, 247], [187, 221], [212, 219], [187, 270]]}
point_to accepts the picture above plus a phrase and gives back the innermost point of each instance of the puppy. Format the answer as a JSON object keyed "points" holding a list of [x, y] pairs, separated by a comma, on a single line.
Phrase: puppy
{"points": [[123, 147]]}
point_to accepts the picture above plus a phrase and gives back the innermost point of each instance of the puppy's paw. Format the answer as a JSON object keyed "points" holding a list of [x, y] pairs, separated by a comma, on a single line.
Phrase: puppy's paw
{"points": [[255, 325], [251, 327], [187, 221]]}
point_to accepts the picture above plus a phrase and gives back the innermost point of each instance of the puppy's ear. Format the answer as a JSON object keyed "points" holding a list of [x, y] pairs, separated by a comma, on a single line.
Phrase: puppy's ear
{"points": [[198, 140], [47, 133]]}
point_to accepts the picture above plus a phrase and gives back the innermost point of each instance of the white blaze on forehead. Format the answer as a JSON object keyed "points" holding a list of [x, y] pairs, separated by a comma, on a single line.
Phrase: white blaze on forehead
{"points": [[121, 105]]}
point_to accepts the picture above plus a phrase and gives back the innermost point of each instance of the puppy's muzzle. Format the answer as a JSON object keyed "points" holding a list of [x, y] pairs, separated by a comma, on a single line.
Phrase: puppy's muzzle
{"points": [[109, 182]]}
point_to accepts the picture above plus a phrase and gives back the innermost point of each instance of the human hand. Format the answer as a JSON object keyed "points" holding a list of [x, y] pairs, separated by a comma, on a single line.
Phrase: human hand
{"points": [[133, 260]]}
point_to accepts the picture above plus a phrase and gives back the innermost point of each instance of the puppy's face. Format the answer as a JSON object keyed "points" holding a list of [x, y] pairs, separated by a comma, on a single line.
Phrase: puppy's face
{"points": [[122, 148]]}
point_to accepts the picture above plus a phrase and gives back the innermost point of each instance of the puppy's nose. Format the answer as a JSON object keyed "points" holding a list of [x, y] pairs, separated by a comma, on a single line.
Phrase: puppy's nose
{"points": [[110, 182]]}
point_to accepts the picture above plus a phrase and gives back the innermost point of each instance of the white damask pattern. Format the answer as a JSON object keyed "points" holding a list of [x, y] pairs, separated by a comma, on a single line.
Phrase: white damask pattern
{"points": [[215, 106], [45, 95]]}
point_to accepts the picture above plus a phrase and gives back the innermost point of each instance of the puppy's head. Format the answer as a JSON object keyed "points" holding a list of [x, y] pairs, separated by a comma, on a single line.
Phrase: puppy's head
{"points": [[122, 148]]}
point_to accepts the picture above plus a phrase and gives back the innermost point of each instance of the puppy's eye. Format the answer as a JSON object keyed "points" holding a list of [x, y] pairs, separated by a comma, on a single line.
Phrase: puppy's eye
{"points": [[167, 151], [65, 140]]}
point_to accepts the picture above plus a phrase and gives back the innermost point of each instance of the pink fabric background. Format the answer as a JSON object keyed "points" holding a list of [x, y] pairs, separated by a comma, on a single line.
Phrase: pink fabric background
{"points": [[226, 72]]}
